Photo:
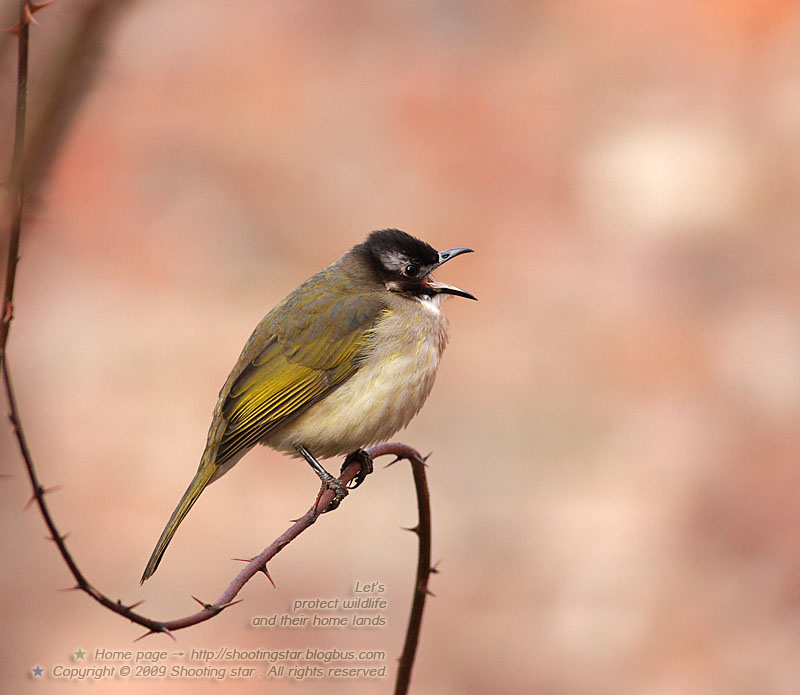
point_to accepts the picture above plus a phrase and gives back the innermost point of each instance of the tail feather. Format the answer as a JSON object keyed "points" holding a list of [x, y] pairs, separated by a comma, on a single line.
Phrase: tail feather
{"points": [[202, 478]]}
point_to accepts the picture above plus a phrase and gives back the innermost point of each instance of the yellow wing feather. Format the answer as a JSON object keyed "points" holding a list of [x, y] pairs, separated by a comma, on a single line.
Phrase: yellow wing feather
{"points": [[309, 344], [305, 347]]}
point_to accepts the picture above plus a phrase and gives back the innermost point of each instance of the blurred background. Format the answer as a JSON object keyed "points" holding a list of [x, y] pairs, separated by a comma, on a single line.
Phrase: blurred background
{"points": [[614, 428]]}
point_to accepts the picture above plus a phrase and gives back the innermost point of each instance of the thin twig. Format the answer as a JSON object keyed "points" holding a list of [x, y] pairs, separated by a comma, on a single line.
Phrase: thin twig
{"points": [[16, 187], [74, 68], [424, 569]]}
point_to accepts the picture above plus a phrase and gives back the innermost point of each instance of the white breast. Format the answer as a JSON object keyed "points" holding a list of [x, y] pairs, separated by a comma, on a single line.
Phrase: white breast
{"points": [[389, 388]]}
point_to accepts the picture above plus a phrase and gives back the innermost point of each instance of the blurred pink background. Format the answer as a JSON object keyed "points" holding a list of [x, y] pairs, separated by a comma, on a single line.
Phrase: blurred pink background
{"points": [[615, 475]]}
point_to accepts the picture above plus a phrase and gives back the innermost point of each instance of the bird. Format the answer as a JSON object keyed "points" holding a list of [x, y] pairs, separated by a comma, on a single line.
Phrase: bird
{"points": [[343, 362]]}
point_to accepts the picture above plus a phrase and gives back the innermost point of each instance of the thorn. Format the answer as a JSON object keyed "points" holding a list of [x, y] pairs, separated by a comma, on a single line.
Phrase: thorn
{"points": [[37, 492], [153, 631], [62, 538], [36, 6], [213, 608], [229, 604], [260, 569], [12, 30], [413, 529], [435, 568], [391, 463], [430, 593], [29, 15], [41, 492], [71, 588], [315, 508], [266, 572], [132, 606], [208, 606]]}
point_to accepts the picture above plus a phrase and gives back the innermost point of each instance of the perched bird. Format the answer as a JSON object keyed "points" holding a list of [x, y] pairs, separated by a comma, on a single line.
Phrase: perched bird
{"points": [[345, 361]]}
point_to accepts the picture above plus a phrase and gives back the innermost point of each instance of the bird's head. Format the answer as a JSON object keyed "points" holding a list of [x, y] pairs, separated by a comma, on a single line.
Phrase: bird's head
{"points": [[404, 263]]}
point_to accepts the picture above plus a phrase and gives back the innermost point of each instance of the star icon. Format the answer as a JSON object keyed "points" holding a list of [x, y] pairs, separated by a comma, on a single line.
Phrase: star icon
{"points": [[79, 654], [37, 672]]}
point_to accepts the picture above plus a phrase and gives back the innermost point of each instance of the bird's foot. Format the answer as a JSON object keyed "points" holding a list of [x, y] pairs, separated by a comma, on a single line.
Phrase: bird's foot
{"points": [[328, 481], [339, 493], [363, 458]]}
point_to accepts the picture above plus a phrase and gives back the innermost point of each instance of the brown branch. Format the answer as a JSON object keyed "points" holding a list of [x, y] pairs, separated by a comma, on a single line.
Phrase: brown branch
{"points": [[424, 569], [50, 133], [73, 70], [15, 179], [254, 566]]}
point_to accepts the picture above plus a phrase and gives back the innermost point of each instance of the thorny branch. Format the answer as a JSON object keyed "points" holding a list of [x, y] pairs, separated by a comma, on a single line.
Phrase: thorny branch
{"points": [[424, 568], [15, 183], [226, 599], [49, 134]]}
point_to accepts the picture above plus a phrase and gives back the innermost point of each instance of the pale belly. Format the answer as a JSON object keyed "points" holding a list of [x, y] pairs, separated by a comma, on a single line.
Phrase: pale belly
{"points": [[381, 398]]}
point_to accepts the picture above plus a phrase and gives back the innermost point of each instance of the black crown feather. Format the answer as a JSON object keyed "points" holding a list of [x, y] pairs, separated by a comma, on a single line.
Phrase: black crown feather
{"points": [[389, 241]]}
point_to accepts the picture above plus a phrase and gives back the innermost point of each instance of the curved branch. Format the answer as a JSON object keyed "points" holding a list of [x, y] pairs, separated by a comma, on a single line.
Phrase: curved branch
{"points": [[424, 569], [209, 610], [75, 69], [258, 563], [16, 179], [16, 188]]}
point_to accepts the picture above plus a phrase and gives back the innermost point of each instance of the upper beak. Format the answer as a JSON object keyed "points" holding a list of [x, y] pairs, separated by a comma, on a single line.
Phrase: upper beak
{"points": [[443, 288], [450, 253]]}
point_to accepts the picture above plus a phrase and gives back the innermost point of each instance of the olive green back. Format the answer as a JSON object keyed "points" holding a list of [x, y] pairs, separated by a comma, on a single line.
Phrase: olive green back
{"points": [[305, 347]]}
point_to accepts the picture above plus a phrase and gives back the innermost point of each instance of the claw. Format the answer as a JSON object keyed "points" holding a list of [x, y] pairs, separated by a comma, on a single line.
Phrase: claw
{"points": [[365, 461], [339, 492]]}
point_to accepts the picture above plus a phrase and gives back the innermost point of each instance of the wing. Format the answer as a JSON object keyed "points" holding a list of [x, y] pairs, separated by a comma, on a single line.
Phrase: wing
{"points": [[305, 347]]}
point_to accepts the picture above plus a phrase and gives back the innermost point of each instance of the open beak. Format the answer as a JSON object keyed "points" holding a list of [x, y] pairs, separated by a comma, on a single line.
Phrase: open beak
{"points": [[443, 288]]}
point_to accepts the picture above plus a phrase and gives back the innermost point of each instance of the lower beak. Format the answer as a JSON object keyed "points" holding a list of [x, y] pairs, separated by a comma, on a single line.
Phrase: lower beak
{"points": [[443, 288]]}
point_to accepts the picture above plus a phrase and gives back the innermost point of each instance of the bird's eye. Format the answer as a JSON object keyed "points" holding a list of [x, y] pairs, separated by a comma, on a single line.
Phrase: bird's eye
{"points": [[411, 270]]}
